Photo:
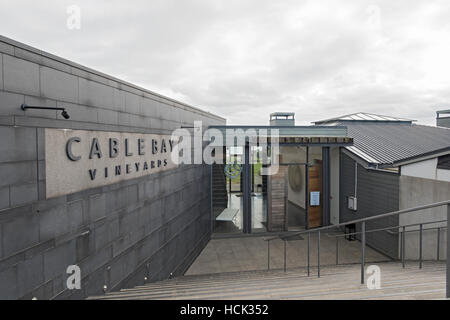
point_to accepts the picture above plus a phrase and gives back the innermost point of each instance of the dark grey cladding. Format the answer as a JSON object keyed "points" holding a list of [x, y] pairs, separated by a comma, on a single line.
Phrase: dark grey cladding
{"points": [[378, 192], [118, 234]]}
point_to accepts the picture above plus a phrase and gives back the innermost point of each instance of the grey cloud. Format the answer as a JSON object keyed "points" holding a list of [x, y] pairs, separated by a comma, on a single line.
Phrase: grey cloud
{"points": [[245, 59]]}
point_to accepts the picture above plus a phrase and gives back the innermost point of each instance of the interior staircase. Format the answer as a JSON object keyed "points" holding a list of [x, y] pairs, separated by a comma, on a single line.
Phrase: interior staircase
{"points": [[219, 189], [336, 282]]}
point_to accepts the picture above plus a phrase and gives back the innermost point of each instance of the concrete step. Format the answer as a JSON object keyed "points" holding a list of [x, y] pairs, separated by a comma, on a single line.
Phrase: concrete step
{"points": [[289, 290], [336, 282], [181, 283], [274, 286]]}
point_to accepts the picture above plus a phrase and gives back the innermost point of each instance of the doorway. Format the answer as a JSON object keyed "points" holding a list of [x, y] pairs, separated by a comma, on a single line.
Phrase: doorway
{"points": [[292, 199], [315, 203]]}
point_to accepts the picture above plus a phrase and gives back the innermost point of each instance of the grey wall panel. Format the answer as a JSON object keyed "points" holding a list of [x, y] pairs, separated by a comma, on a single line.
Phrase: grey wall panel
{"points": [[117, 234], [443, 122], [20, 76], [415, 191], [377, 193], [1, 71]]}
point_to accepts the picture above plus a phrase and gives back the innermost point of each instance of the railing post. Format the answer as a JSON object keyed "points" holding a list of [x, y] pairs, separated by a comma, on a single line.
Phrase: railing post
{"points": [[337, 250], [318, 254], [363, 250], [420, 245], [268, 254], [309, 239], [284, 255], [438, 243], [403, 246], [447, 284]]}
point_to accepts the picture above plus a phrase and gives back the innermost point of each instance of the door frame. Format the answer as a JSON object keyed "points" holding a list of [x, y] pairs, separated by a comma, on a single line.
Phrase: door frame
{"points": [[247, 188]]}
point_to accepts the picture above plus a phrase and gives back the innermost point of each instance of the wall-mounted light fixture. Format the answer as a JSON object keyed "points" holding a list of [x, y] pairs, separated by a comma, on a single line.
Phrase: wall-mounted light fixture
{"points": [[63, 113]]}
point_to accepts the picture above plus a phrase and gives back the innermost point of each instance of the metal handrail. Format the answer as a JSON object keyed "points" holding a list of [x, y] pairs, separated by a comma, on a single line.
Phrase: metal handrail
{"points": [[363, 232], [380, 216], [420, 230], [396, 227]]}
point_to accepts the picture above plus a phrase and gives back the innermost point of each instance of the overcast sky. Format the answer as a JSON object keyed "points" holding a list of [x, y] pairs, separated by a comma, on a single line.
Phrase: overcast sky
{"points": [[243, 59]]}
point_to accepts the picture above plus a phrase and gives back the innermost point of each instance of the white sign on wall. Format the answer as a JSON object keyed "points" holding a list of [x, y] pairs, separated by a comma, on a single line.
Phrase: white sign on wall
{"points": [[76, 160]]}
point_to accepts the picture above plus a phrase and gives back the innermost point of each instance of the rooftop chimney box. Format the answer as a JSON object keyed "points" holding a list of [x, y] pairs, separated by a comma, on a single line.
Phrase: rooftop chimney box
{"points": [[280, 119]]}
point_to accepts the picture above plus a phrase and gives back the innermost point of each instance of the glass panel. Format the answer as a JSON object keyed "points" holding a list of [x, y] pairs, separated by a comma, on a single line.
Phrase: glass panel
{"points": [[227, 193], [259, 192], [234, 183], [296, 206], [286, 190], [295, 159]]}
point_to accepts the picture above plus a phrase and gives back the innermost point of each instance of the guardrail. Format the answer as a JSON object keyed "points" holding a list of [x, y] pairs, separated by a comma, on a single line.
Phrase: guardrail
{"points": [[363, 233]]}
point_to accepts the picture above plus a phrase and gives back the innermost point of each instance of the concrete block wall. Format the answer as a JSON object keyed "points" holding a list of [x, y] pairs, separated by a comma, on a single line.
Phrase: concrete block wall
{"points": [[118, 234], [415, 192]]}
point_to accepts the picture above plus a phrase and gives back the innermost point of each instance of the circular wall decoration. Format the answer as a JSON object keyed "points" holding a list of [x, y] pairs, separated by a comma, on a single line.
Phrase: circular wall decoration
{"points": [[295, 174], [233, 170]]}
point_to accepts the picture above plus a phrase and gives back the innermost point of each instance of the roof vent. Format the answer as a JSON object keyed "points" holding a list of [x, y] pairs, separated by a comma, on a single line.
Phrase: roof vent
{"points": [[282, 119]]}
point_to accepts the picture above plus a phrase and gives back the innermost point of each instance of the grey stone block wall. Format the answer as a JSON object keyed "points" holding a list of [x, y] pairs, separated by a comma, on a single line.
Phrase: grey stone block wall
{"points": [[118, 234], [377, 193]]}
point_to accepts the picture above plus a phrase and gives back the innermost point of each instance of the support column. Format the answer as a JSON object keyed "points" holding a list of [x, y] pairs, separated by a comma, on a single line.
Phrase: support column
{"points": [[326, 185], [447, 284], [307, 189], [246, 194]]}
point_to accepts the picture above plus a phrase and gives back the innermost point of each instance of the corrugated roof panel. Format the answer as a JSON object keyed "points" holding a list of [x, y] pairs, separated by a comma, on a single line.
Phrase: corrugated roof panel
{"points": [[388, 142], [364, 116], [361, 154], [386, 118], [368, 116], [357, 117]]}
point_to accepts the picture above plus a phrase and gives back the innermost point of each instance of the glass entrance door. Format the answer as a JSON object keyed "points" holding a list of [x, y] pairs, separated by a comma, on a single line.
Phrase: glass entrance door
{"points": [[292, 199], [315, 187], [227, 200], [315, 203], [258, 194], [296, 210]]}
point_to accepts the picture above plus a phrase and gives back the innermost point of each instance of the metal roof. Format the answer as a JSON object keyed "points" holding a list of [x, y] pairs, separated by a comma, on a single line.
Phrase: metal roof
{"points": [[282, 114], [284, 135], [388, 143], [363, 116], [285, 131]]}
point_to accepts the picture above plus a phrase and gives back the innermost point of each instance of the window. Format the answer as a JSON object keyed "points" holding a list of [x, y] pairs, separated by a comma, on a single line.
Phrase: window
{"points": [[444, 162]]}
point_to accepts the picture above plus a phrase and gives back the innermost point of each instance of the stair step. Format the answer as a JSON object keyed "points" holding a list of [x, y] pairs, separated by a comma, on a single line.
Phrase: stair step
{"points": [[336, 282]]}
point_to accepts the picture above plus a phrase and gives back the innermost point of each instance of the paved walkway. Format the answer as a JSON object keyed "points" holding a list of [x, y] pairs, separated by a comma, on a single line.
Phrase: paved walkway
{"points": [[250, 253]]}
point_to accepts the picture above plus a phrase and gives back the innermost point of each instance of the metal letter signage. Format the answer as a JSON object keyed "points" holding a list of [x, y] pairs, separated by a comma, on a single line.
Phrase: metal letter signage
{"points": [[77, 160]]}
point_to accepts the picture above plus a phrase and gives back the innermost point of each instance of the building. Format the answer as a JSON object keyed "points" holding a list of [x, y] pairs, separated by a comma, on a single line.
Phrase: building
{"points": [[394, 164], [282, 201], [88, 178], [443, 118]]}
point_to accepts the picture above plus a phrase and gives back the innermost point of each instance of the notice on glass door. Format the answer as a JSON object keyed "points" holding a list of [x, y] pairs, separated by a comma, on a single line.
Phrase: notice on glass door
{"points": [[315, 198]]}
